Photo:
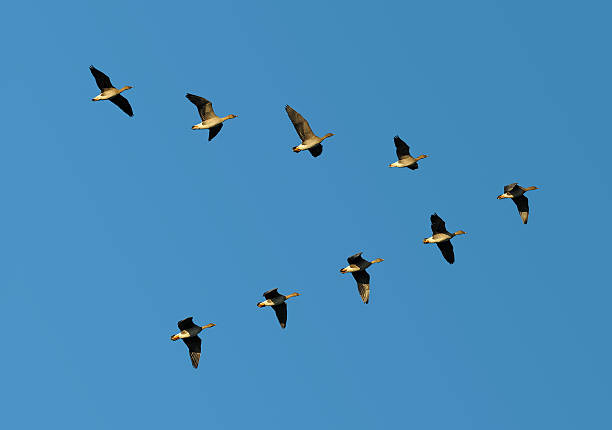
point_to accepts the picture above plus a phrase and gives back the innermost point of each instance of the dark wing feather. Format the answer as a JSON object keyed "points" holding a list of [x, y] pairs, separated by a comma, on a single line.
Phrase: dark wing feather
{"points": [[509, 187], [271, 294], [123, 104], [281, 313], [102, 80], [446, 248], [413, 166], [186, 324], [316, 150], [437, 224], [356, 259], [522, 204], [401, 148], [194, 344], [204, 107], [363, 284], [213, 131], [301, 125]]}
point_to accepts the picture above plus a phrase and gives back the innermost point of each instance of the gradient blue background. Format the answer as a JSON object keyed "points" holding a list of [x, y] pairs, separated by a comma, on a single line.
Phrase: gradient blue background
{"points": [[115, 228]]}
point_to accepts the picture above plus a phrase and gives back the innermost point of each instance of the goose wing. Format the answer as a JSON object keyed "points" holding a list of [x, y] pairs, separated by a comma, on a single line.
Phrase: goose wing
{"points": [[102, 80], [271, 294], [301, 125], [204, 106], [194, 343], [522, 204], [186, 324], [437, 224], [213, 131], [363, 284], [123, 104], [281, 313], [356, 259], [401, 148], [446, 248], [316, 150], [508, 188]]}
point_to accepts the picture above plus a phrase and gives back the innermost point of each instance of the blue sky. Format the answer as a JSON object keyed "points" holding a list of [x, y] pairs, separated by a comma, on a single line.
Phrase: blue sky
{"points": [[115, 228]]}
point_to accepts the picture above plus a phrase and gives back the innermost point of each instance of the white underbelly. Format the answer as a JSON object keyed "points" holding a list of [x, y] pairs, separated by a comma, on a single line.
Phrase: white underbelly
{"points": [[309, 143], [211, 123]]}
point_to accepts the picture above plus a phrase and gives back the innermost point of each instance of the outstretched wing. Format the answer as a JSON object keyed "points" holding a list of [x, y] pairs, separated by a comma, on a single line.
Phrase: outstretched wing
{"points": [[123, 104], [213, 131], [102, 80], [204, 106], [356, 259], [437, 224], [522, 204], [281, 313], [271, 294], [301, 125], [446, 248], [401, 148], [194, 344], [363, 284], [186, 324], [316, 150]]}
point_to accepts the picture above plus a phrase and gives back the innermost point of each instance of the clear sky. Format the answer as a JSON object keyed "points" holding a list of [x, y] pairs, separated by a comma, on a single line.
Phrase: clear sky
{"points": [[114, 228]]}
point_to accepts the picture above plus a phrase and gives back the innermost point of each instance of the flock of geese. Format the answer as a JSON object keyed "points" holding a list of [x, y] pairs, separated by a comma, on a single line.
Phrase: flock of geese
{"points": [[357, 264]]}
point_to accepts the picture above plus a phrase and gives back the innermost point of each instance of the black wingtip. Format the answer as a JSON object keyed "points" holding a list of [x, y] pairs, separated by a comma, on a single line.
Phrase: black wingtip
{"points": [[283, 325]]}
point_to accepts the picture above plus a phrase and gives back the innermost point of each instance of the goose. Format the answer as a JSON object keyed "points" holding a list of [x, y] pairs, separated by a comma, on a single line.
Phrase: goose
{"points": [[357, 267], [189, 333], [516, 193], [109, 92], [309, 141], [210, 120], [403, 154], [277, 301], [442, 237]]}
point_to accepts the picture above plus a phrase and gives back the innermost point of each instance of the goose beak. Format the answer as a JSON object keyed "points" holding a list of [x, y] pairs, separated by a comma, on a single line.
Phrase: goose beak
{"points": [[174, 337], [260, 305]]}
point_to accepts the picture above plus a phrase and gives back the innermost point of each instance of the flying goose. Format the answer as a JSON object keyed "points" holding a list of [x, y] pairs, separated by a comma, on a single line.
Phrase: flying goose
{"points": [[442, 237], [517, 194], [189, 334], [277, 301], [404, 159], [109, 92], [309, 140], [357, 267], [210, 120]]}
